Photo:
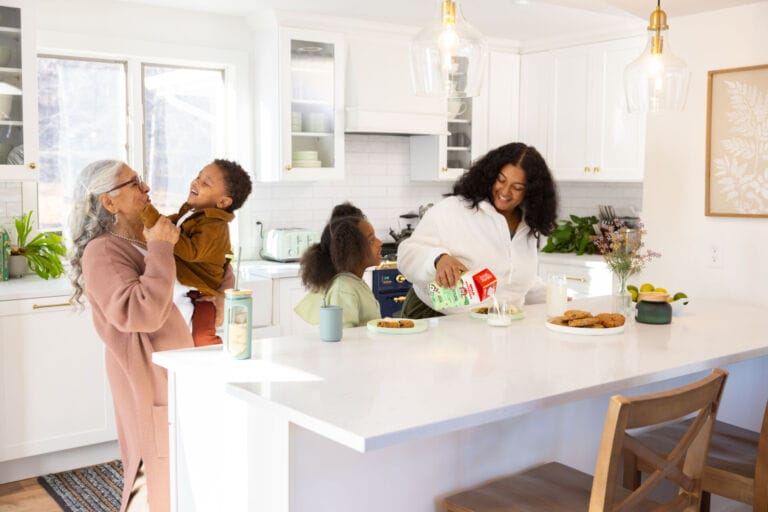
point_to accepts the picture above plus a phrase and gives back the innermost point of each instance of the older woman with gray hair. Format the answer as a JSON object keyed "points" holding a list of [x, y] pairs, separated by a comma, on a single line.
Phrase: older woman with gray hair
{"points": [[127, 272]]}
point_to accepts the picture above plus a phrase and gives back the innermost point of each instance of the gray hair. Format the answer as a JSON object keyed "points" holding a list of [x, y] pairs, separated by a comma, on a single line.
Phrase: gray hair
{"points": [[88, 218]]}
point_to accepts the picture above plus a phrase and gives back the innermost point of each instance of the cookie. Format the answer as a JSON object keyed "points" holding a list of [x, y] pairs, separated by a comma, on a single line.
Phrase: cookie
{"points": [[389, 323], [575, 314], [584, 322], [406, 324], [611, 319]]}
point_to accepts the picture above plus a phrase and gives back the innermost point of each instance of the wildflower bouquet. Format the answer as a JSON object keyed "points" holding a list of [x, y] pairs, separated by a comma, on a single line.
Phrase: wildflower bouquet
{"points": [[622, 249]]}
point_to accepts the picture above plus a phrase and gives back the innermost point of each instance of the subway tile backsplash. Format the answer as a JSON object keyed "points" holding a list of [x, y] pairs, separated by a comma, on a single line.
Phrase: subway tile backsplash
{"points": [[378, 181]]}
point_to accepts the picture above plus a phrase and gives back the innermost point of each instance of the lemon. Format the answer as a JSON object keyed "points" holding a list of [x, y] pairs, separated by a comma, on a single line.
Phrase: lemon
{"points": [[633, 293], [646, 287], [662, 290]]}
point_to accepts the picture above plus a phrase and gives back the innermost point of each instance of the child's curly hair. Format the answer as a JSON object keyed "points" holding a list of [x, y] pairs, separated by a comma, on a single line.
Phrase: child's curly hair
{"points": [[342, 248], [237, 182]]}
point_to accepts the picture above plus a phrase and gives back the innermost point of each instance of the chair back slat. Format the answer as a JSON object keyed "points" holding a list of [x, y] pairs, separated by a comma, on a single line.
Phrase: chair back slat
{"points": [[701, 397], [760, 500]]}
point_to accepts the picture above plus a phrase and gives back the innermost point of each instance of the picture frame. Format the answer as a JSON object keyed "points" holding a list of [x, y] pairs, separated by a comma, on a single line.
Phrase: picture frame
{"points": [[737, 142]]}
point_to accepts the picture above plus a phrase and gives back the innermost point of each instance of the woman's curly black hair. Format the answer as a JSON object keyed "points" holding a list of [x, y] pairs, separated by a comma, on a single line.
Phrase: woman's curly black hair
{"points": [[540, 202], [342, 248]]}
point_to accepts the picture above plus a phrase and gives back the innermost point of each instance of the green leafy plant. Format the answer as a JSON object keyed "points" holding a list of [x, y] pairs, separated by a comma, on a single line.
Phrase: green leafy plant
{"points": [[573, 235], [43, 252]]}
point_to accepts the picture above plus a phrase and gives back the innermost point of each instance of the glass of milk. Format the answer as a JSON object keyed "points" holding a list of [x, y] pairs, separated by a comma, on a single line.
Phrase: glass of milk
{"points": [[557, 294]]}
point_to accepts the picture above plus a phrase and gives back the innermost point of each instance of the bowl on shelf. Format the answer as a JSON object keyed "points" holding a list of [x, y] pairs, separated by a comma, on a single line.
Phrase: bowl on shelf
{"points": [[304, 155], [16, 156], [5, 56], [6, 104], [307, 163]]}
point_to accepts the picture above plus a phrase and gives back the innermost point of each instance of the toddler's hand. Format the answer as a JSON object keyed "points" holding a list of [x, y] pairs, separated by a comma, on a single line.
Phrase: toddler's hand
{"points": [[163, 231]]}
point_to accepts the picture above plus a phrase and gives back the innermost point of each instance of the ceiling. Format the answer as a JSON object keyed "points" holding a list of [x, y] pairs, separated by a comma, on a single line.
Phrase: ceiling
{"points": [[520, 20]]}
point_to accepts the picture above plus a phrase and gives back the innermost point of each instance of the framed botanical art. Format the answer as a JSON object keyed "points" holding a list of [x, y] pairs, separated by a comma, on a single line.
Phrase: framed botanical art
{"points": [[737, 142]]}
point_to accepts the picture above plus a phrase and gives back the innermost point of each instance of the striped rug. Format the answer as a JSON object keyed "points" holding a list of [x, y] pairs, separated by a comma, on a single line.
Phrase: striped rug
{"points": [[92, 489]]}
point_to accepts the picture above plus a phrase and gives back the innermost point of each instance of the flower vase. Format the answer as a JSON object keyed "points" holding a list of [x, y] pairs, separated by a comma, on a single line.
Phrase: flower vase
{"points": [[622, 300], [17, 265]]}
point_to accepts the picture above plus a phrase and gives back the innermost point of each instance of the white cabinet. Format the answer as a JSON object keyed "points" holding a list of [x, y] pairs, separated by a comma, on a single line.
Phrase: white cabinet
{"points": [[379, 93], [18, 92], [287, 292], [573, 108], [503, 102], [447, 157], [300, 105], [54, 393], [586, 275]]}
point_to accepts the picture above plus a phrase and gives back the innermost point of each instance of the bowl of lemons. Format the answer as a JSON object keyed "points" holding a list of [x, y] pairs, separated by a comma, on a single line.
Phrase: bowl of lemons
{"points": [[678, 300]]}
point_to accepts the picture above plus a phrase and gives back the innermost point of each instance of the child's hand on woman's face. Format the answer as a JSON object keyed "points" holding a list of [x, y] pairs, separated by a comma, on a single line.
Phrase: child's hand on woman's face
{"points": [[163, 231]]}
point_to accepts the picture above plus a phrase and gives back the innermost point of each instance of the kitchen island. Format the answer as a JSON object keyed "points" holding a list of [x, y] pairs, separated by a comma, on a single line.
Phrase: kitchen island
{"points": [[395, 422]]}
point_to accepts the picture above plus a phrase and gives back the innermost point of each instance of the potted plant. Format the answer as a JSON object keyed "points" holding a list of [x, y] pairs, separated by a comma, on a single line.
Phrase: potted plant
{"points": [[42, 253]]}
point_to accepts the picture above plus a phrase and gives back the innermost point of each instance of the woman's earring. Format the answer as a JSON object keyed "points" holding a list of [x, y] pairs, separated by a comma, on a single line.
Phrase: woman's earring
{"points": [[114, 219]]}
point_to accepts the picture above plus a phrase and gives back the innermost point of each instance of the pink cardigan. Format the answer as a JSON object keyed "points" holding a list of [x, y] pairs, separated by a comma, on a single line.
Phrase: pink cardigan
{"points": [[131, 297]]}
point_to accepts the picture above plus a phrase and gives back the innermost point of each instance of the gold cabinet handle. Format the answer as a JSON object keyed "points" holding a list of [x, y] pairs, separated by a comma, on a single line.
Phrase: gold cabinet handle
{"points": [[595, 169], [444, 169], [577, 279], [58, 305], [288, 167], [586, 169], [32, 165]]}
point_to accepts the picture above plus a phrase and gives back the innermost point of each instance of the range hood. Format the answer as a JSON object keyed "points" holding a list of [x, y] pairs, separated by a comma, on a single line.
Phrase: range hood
{"points": [[361, 120]]}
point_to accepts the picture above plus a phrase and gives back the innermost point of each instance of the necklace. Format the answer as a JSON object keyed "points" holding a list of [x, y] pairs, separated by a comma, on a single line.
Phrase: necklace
{"points": [[132, 240]]}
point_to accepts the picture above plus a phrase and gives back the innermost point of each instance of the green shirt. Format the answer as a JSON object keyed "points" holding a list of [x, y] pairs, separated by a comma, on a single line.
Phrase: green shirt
{"points": [[348, 291]]}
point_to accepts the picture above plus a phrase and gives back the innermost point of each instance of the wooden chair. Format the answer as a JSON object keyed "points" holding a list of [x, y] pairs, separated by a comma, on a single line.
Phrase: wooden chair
{"points": [[737, 462], [555, 487]]}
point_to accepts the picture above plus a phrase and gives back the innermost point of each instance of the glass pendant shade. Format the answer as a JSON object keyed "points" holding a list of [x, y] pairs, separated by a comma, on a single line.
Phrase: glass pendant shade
{"points": [[448, 57], [657, 80]]}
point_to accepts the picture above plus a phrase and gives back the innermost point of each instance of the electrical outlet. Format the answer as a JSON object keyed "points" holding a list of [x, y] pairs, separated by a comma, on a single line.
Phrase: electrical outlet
{"points": [[715, 258]]}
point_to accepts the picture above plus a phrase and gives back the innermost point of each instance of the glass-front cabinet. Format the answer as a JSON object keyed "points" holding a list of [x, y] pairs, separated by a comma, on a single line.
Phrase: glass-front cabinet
{"points": [[310, 108], [18, 94], [448, 156]]}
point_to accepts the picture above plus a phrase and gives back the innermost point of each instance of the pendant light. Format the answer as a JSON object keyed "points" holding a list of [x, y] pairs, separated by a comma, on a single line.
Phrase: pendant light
{"points": [[448, 56], [657, 80]]}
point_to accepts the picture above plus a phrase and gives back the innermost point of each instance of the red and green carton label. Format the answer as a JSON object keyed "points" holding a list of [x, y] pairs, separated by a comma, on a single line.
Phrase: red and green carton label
{"points": [[473, 287]]}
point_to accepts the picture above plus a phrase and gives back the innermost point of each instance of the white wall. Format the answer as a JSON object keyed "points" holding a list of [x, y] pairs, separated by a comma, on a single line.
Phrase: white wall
{"points": [[673, 195]]}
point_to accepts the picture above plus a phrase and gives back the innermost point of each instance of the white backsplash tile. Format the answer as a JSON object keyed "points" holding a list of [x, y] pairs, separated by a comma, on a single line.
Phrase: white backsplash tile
{"points": [[377, 181]]}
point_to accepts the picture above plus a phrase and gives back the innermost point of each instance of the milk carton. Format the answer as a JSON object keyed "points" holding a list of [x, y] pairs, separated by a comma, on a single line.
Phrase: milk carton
{"points": [[473, 287]]}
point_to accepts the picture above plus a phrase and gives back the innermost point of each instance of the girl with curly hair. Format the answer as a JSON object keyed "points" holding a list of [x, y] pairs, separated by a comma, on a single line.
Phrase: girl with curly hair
{"points": [[493, 219], [333, 269]]}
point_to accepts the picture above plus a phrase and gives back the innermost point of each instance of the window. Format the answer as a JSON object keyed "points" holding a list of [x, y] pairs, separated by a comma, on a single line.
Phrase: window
{"points": [[82, 119], [85, 113], [183, 109]]}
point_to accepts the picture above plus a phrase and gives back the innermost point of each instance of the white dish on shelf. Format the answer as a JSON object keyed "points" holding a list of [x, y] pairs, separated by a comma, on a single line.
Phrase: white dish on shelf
{"points": [[307, 163]]}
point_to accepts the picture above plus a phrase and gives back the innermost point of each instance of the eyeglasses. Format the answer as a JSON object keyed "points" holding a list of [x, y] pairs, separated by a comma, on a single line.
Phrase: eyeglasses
{"points": [[135, 180]]}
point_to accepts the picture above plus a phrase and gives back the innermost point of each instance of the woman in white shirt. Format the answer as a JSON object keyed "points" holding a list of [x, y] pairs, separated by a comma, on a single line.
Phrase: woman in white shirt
{"points": [[493, 219]]}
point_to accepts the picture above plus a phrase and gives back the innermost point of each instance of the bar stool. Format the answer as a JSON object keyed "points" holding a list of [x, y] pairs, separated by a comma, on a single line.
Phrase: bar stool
{"points": [[737, 462], [555, 487]]}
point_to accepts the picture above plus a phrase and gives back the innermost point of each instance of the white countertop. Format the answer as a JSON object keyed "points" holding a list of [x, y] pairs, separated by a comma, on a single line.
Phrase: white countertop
{"points": [[374, 390], [32, 287]]}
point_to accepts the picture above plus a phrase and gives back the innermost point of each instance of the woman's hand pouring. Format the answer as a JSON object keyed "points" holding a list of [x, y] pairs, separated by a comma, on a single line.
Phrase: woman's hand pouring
{"points": [[448, 270]]}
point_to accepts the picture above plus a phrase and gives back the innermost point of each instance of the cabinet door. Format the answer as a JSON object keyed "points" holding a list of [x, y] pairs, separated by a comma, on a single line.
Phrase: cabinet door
{"points": [[429, 159], [18, 92], [572, 112], [311, 78], [503, 101], [290, 291], [619, 153], [54, 393], [535, 92]]}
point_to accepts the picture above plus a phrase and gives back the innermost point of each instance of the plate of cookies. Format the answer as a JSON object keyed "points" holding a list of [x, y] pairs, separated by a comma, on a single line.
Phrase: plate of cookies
{"points": [[397, 325], [576, 321]]}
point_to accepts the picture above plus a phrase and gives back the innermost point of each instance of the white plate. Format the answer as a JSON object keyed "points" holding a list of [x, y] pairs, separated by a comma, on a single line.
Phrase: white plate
{"points": [[307, 163], [584, 331], [484, 316], [419, 326]]}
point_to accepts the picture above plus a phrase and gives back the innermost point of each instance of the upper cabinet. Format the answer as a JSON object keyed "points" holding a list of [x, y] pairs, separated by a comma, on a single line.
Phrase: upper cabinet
{"points": [[574, 111], [18, 92], [300, 116]]}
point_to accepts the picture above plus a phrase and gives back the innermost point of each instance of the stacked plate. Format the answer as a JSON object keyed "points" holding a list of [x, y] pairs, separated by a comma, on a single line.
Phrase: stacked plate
{"points": [[306, 159]]}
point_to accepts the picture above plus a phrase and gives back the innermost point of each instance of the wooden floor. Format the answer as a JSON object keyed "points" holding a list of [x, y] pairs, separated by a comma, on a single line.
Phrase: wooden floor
{"points": [[26, 496]]}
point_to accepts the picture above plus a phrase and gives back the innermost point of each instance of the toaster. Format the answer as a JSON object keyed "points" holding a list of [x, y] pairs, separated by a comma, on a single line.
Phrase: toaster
{"points": [[287, 244]]}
